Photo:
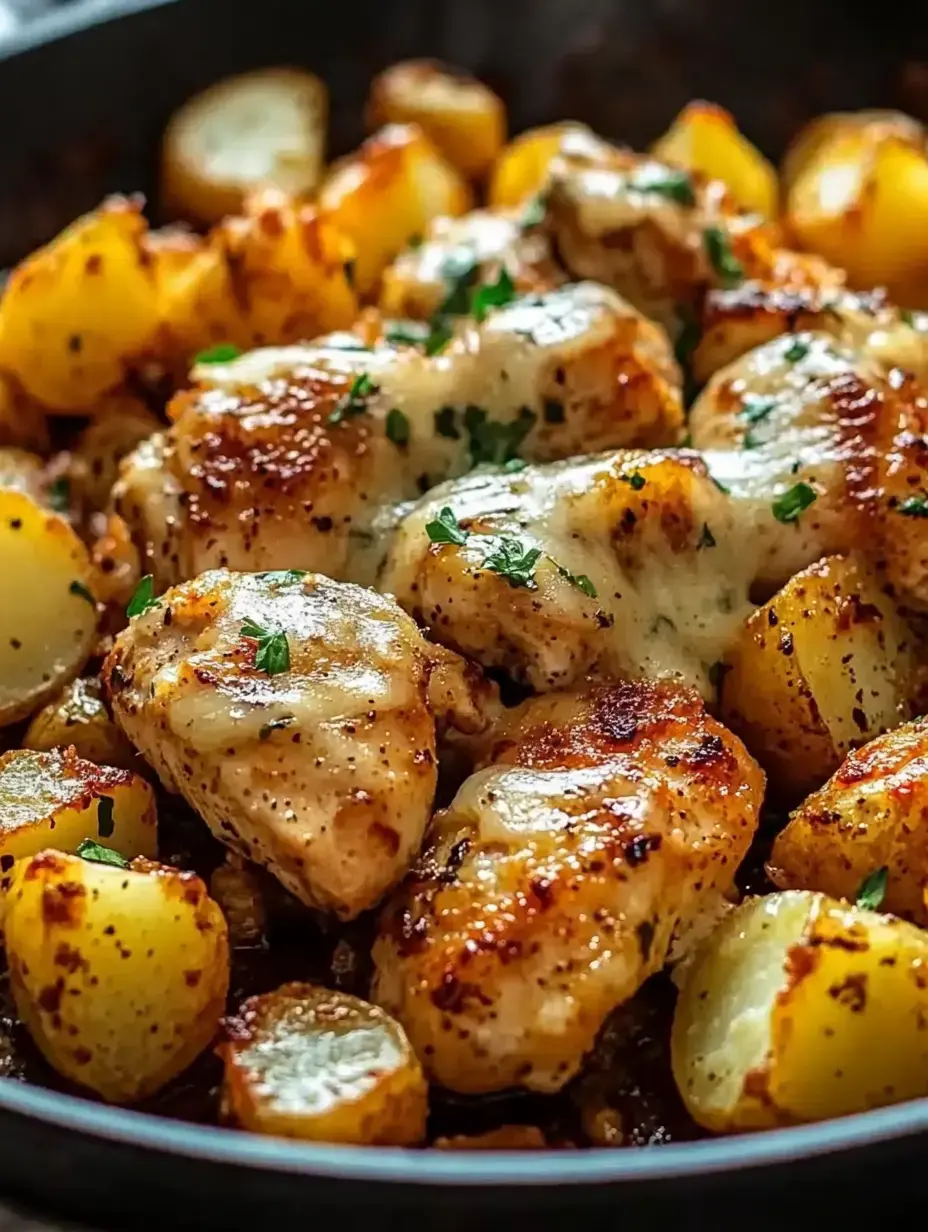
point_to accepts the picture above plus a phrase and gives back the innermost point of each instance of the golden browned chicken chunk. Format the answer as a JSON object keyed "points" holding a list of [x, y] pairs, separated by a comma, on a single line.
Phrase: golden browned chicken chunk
{"points": [[298, 716], [598, 837], [283, 457]]}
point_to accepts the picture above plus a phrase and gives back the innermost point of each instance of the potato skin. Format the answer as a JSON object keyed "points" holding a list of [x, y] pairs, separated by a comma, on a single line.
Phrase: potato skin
{"points": [[77, 718], [460, 115], [870, 814], [825, 665], [524, 164], [799, 1008], [286, 1075], [120, 974]]}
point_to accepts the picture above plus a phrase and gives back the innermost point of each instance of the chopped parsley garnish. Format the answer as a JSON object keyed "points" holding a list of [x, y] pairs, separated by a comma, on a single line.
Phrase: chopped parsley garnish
{"points": [[686, 343], [105, 823], [907, 317], [439, 335], [459, 272], [353, 403], [514, 465], [789, 506], [446, 423], [721, 486], [273, 725], [667, 181], [79, 589], [494, 441], [144, 597], [397, 427], [407, 333], [513, 561], [58, 494], [706, 538], [635, 480], [914, 506], [754, 411], [446, 529], [96, 853], [273, 652], [796, 351], [493, 295], [221, 353], [580, 580], [873, 889], [534, 213], [721, 257], [282, 577]]}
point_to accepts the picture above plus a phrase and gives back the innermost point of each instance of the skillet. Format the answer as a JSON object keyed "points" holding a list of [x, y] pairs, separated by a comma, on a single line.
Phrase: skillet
{"points": [[85, 93]]}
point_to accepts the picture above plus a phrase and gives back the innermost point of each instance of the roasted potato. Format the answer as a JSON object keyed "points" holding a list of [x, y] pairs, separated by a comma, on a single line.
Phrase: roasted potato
{"points": [[77, 314], [705, 138], [875, 123], [869, 815], [23, 424], [120, 422], [48, 619], [237, 888], [387, 193], [460, 115], [77, 718], [119, 972], [264, 127], [305, 1062], [827, 664], [524, 165], [799, 1008]]}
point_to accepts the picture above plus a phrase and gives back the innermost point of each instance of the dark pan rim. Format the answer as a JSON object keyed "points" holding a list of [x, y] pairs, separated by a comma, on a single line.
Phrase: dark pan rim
{"points": [[385, 1164]]}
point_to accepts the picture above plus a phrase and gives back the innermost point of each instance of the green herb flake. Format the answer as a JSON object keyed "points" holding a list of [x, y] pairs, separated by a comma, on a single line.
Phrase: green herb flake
{"points": [[221, 353], [514, 465], [439, 335], [96, 853], [789, 506], [706, 538], [105, 823], [914, 506], [796, 351], [285, 720], [493, 295], [79, 589], [514, 562], [446, 529], [459, 273], [635, 480], [282, 577], [407, 333], [721, 257], [721, 486], [494, 441], [144, 597], [534, 213], [397, 428], [670, 182], [873, 890], [353, 403], [580, 580], [446, 423], [907, 317], [58, 494], [273, 651], [755, 411]]}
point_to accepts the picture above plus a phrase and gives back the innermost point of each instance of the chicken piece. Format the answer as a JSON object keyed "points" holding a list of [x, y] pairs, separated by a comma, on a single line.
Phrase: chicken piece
{"points": [[474, 247], [626, 564], [298, 716], [736, 321], [283, 457], [601, 832]]}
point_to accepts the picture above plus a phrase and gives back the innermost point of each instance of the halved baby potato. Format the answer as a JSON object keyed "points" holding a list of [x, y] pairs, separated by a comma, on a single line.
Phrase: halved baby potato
{"points": [[524, 164], [305, 1062], [799, 1008], [77, 718], [705, 138], [48, 618], [264, 127], [119, 972], [386, 193], [827, 664], [463, 118]]}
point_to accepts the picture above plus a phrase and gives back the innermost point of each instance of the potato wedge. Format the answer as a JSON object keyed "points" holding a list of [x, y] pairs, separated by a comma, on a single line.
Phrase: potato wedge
{"points": [[264, 127], [120, 422], [869, 815], [386, 193], [79, 312], [305, 1062], [77, 718], [705, 138], [48, 619], [460, 115], [524, 165], [799, 1008], [823, 667], [120, 973]]}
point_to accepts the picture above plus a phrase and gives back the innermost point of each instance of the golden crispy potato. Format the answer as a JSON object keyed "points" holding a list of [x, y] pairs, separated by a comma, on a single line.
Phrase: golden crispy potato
{"points": [[120, 422], [304, 1062], [386, 193], [116, 561], [706, 139], [278, 274], [119, 972], [460, 115], [869, 815], [264, 127], [76, 717], [860, 200], [876, 123], [798, 1008], [48, 619], [827, 664], [237, 889], [23, 423], [524, 165], [78, 313]]}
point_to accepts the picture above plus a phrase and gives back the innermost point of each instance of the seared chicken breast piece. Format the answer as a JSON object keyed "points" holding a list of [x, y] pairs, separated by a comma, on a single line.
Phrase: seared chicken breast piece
{"points": [[298, 716], [284, 457], [598, 836]]}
